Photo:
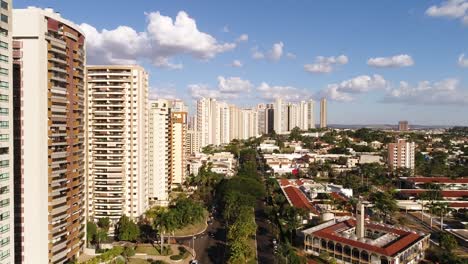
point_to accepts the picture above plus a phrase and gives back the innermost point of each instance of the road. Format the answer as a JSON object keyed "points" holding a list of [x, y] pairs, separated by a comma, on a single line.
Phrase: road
{"points": [[209, 250], [264, 235]]}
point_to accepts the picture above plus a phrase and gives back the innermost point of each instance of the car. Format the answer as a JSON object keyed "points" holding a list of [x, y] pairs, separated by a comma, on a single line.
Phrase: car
{"points": [[274, 241], [194, 261]]}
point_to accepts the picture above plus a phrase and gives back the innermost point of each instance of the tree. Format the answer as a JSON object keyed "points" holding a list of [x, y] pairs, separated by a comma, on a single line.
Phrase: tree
{"points": [[91, 230], [126, 229], [104, 223], [128, 252], [295, 134], [442, 209], [448, 242], [384, 203]]}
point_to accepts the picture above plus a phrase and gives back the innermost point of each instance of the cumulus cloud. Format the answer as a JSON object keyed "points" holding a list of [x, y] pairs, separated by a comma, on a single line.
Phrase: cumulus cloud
{"points": [[445, 92], [290, 55], [397, 61], [274, 54], [288, 93], [236, 63], [462, 61], [227, 88], [325, 64], [345, 90], [163, 92], [163, 39], [243, 38], [453, 9]]}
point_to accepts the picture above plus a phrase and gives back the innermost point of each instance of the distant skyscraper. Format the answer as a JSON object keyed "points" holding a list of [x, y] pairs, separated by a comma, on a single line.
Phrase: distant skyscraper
{"points": [[208, 121], [159, 152], [401, 154], [7, 188], [403, 126], [281, 116], [261, 114], [270, 118], [49, 108], [310, 114], [178, 147], [118, 141], [193, 142], [323, 113]]}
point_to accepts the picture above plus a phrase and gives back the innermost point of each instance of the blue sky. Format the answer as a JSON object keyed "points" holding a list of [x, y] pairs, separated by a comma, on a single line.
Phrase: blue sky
{"points": [[381, 61]]}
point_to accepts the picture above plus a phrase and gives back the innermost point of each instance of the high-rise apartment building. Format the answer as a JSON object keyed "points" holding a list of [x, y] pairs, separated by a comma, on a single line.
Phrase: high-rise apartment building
{"points": [[224, 123], [323, 113], [204, 120], [403, 126], [261, 114], [159, 152], [6, 137], [117, 141], [401, 154], [178, 147], [281, 116], [193, 142], [49, 107], [310, 114], [269, 118]]}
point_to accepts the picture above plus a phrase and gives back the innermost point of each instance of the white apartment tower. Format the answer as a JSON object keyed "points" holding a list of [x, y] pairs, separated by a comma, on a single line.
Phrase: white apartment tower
{"points": [[118, 141], [224, 123], [262, 119], [323, 113], [401, 154], [310, 114], [6, 137], [159, 150], [49, 130], [280, 116]]}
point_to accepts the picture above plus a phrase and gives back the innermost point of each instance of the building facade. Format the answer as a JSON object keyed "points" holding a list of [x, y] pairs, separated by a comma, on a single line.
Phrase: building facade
{"points": [[403, 126], [401, 154], [159, 152], [178, 142], [49, 107], [6, 137], [118, 140], [323, 113]]}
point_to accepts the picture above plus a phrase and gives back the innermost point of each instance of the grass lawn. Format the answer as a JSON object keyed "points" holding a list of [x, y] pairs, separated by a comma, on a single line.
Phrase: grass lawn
{"points": [[252, 260], [150, 250], [192, 229], [137, 261]]}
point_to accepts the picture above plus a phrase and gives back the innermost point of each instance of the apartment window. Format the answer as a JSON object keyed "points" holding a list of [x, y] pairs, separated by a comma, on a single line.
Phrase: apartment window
{"points": [[3, 58], [3, 84], [4, 176], [4, 215], [3, 98], [4, 241], [3, 32], [4, 254], [3, 45], [4, 190], [3, 124], [4, 5], [4, 228], [4, 202], [4, 18], [4, 163], [3, 71], [4, 137], [3, 111]]}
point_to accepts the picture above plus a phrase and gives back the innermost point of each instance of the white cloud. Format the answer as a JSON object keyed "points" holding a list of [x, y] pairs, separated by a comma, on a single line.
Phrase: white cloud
{"points": [[397, 61], [274, 53], [243, 38], [345, 90], [290, 55], [163, 39], [288, 93], [446, 92], [163, 92], [462, 61], [454, 9], [225, 29], [236, 63], [325, 64], [227, 88]]}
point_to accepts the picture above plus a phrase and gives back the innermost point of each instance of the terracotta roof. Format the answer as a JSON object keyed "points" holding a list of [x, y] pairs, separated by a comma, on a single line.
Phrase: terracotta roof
{"points": [[338, 196], [437, 180], [405, 239], [299, 182], [284, 182], [299, 200], [450, 194], [459, 205]]}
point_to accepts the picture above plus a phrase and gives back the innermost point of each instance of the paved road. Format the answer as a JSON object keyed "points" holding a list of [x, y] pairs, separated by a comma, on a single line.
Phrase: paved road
{"points": [[264, 236], [209, 250]]}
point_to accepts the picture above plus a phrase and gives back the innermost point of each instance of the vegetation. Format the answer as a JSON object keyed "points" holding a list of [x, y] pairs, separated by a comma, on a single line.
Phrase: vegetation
{"points": [[126, 229], [106, 256], [97, 234]]}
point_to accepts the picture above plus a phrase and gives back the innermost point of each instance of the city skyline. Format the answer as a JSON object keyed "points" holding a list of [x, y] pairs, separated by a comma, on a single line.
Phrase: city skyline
{"points": [[354, 56]]}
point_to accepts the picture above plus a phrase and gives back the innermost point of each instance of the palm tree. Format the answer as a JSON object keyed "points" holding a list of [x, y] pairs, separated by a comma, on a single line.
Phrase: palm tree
{"points": [[443, 209]]}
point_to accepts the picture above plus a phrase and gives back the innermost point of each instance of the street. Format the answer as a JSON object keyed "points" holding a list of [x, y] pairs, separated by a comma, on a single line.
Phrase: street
{"points": [[264, 235], [209, 250]]}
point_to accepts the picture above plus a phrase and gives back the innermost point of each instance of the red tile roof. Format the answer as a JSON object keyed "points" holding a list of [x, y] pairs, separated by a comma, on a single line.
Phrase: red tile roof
{"points": [[338, 196], [405, 239], [284, 182], [437, 180], [459, 205], [450, 194], [298, 199]]}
